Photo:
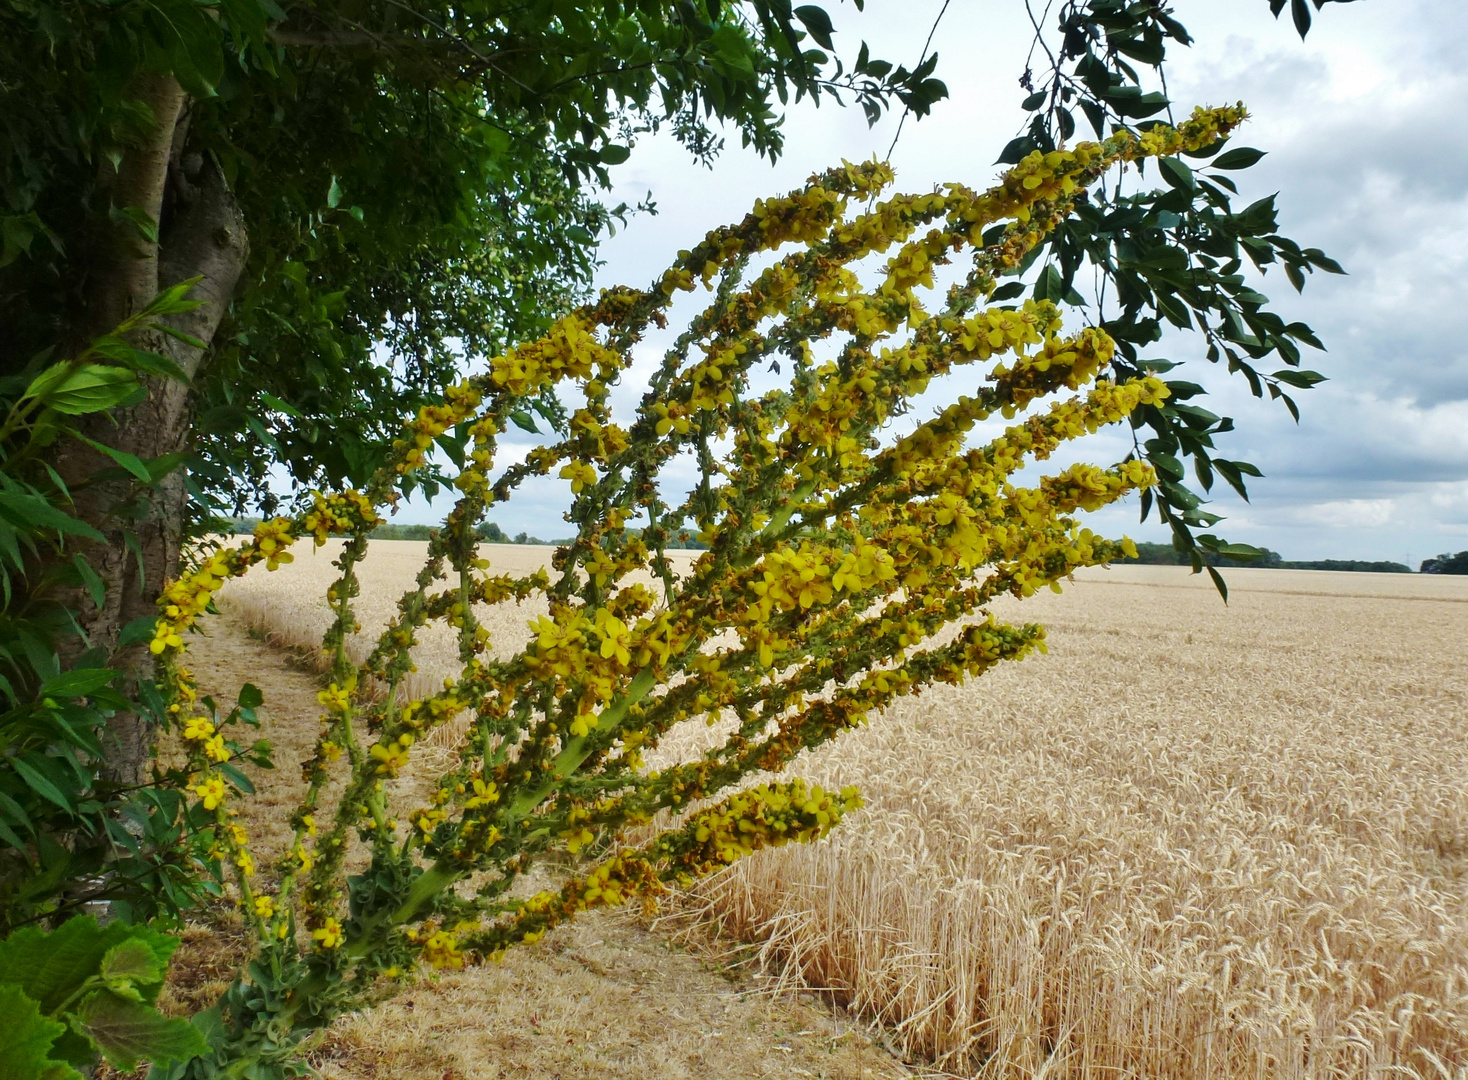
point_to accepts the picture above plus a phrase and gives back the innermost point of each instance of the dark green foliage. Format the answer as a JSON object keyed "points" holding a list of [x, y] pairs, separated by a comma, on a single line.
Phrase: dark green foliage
{"points": [[1447, 564], [1167, 555], [1175, 254], [69, 836], [416, 181], [85, 990], [1357, 566]]}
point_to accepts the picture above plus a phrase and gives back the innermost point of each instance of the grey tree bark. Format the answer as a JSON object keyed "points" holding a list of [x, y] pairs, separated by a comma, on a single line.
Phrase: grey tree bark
{"points": [[200, 234]]}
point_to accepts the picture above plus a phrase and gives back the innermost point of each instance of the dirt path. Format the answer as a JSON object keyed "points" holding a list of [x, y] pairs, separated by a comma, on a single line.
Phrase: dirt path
{"points": [[603, 997]]}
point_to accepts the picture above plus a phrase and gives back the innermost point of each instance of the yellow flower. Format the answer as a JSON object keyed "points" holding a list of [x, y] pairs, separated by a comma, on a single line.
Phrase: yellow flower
{"points": [[211, 791], [441, 951], [484, 794], [215, 750], [264, 906], [198, 727], [328, 934]]}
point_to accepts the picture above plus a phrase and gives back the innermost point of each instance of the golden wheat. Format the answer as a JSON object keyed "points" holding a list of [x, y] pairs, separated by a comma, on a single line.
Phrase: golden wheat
{"points": [[1193, 841]]}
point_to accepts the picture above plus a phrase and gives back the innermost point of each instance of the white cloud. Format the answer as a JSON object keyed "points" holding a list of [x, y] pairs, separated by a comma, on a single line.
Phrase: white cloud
{"points": [[1369, 153]]}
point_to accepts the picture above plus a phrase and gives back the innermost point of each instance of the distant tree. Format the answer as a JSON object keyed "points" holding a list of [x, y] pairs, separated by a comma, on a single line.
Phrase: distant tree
{"points": [[1168, 555], [1359, 566], [1447, 564]]}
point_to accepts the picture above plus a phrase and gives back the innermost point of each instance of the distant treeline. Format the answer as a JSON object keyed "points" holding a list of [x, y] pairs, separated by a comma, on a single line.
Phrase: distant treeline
{"points": [[487, 531], [1447, 564], [1167, 555]]}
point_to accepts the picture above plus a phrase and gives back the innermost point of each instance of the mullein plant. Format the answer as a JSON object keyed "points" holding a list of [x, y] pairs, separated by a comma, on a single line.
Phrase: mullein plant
{"points": [[843, 569]]}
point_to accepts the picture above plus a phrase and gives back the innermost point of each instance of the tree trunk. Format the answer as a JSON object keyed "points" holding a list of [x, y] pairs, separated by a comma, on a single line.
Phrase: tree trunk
{"points": [[201, 234]]}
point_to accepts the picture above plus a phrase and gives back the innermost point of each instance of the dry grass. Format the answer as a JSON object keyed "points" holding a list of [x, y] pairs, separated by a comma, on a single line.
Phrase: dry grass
{"points": [[600, 999], [1193, 841]]}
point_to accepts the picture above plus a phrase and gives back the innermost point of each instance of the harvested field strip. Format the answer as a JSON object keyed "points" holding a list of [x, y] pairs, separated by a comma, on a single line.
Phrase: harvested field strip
{"points": [[1193, 841]]}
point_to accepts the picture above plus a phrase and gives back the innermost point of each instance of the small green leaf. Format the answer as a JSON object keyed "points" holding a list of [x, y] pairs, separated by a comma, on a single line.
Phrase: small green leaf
{"points": [[95, 586], [137, 631], [134, 962], [78, 682], [91, 388], [817, 22], [1176, 173], [523, 421], [279, 405], [237, 778], [35, 513], [250, 697], [1240, 158], [1219, 583], [130, 462], [40, 785], [333, 194]]}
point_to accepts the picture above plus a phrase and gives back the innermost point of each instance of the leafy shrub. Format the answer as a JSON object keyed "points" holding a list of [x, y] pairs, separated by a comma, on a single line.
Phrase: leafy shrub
{"points": [[84, 990]]}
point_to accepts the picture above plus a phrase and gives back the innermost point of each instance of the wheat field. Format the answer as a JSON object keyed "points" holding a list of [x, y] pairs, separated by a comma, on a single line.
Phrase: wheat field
{"points": [[1192, 841]]}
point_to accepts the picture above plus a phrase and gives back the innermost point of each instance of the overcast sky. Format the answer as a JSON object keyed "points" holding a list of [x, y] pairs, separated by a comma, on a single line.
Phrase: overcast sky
{"points": [[1368, 150]]}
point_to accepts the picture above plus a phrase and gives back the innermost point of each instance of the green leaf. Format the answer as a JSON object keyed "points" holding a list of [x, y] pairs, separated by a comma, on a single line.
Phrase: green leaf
{"points": [[26, 1038], [250, 697], [237, 778], [817, 22], [91, 388], [79, 682], [1303, 380], [523, 421], [40, 785], [281, 406], [35, 513], [172, 300], [1240, 158], [95, 586], [130, 1031], [130, 462], [52, 967], [614, 154], [1176, 173], [48, 380], [333, 194], [134, 962], [1218, 583], [137, 631], [1239, 551]]}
